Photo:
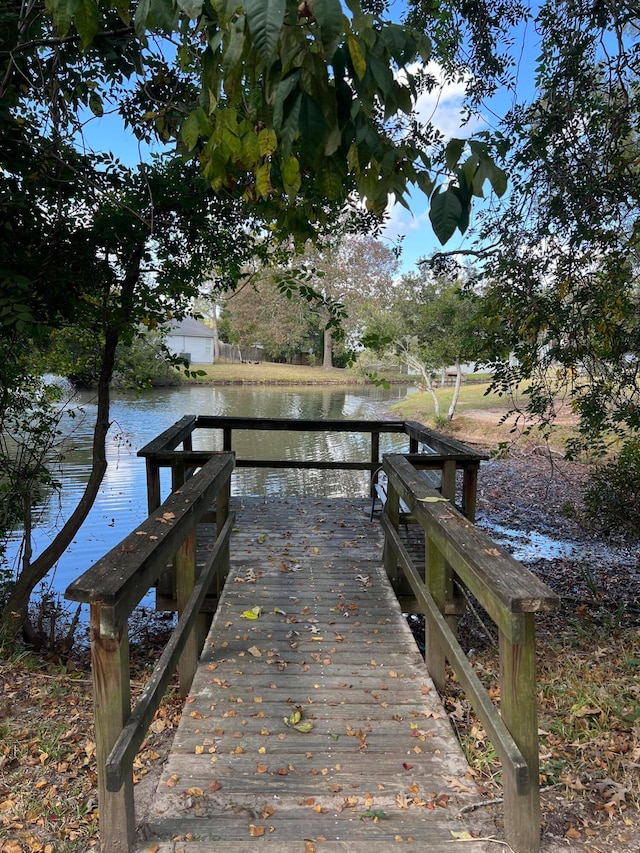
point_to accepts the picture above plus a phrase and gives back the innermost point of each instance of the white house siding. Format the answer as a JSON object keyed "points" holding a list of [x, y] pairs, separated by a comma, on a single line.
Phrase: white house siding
{"points": [[192, 339]]}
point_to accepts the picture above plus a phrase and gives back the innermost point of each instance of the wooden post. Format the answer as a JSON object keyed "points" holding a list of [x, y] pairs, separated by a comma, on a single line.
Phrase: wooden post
{"points": [[185, 569], [153, 485], [226, 439], [222, 513], [178, 473], [375, 462], [436, 582], [392, 510], [112, 707], [470, 491], [448, 487], [518, 705]]}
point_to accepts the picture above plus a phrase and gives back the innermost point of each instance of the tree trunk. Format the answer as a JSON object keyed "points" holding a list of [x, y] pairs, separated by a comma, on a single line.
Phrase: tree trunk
{"points": [[214, 326], [327, 355], [15, 613], [415, 364], [456, 392]]}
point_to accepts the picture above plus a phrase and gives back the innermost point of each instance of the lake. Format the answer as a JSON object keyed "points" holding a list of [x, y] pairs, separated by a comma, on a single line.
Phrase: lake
{"points": [[137, 418]]}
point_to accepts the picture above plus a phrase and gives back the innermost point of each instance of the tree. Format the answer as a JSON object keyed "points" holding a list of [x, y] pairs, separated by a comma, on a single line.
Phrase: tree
{"points": [[301, 103], [283, 327], [433, 324], [287, 107], [150, 234], [561, 262], [357, 272]]}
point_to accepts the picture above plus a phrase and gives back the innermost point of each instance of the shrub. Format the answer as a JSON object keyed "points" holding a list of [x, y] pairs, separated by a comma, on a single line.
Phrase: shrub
{"points": [[612, 498]]}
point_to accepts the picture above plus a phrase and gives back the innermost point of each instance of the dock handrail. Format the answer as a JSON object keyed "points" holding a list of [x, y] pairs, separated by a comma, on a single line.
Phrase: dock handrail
{"points": [[458, 552], [113, 587], [440, 452]]}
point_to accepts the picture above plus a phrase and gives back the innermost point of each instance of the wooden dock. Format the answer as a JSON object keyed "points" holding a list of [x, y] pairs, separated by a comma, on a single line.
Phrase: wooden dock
{"points": [[312, 723]]}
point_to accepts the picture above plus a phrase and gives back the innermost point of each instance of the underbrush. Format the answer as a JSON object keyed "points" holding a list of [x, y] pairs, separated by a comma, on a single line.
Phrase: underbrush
{"points": [[589, 724]]}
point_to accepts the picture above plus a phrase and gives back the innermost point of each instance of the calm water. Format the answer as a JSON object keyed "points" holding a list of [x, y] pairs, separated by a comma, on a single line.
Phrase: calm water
{"points": [[137, 419]]}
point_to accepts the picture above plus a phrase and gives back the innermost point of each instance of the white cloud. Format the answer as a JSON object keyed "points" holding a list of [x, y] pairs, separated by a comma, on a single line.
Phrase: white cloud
{"points": [[442, 107]]}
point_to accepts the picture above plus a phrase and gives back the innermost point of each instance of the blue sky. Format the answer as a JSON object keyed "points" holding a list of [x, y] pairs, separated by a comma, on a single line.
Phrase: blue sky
{"points": [[442, 107]]}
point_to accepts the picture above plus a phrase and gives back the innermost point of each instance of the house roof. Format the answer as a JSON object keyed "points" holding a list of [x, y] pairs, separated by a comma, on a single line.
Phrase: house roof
{"points": [[190, 328]]}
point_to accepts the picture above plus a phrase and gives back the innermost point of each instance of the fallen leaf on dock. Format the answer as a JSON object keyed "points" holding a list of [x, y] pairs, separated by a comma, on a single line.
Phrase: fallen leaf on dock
{"points": [[253, 613]]}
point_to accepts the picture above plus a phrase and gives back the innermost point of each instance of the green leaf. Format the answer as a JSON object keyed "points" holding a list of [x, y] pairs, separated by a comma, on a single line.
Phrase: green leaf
{"points": [[498, 180], [285, 88], [233, 52], [454, 149], [95, 104], [250, 148], [313, 128], [425, 182], [265, 19], [382, 75], [143, 10], [291, 176], [331, 182], [191, 8], [87, 21], [263, 180], [328, 14], [357, 56], [164, 15], [190, 130], [267, 142], [445, 213], [63, 13]]}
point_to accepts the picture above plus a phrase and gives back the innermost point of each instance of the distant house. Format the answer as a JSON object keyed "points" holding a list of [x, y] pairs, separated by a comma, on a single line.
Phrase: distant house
{"points": [[191, 340]]}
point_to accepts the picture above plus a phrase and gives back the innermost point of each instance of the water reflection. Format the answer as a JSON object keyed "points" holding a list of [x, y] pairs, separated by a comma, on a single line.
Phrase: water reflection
{"points": [[136, 419]]}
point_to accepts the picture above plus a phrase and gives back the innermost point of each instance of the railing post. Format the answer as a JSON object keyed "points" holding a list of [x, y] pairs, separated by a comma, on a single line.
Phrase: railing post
{"points": [[518, 704], [375, 462], [185, 569], [436, 571], [222, 513], [470, 491], [448, 487], [392, 511], [226, 439], [112, 707], [153, 485]]}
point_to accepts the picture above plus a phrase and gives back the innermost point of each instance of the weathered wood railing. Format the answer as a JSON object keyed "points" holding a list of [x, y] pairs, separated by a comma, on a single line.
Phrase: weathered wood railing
{"points": [[439, 452], [113, 587], [460, 555]]}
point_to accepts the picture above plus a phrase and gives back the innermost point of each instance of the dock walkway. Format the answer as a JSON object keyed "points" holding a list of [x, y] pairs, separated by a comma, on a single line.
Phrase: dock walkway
{"points": [[312, 723]]}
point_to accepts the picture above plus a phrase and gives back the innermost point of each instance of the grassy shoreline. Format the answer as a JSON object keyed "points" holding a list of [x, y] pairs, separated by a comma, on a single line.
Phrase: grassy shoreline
{"points": [[478, 418]]}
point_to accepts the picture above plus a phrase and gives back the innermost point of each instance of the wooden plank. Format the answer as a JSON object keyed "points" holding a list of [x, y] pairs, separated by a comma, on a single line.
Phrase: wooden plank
{"points": [[270, 842], [299, 424], [380, 735], [488, 570], [171, 437]]}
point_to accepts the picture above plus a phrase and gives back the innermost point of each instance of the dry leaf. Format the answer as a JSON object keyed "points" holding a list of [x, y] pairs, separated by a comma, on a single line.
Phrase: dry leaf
{"points": [[256, 831]]}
